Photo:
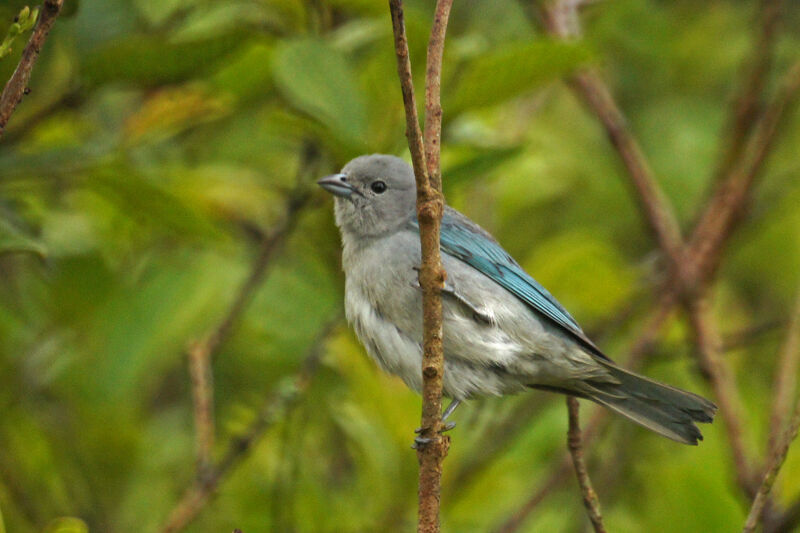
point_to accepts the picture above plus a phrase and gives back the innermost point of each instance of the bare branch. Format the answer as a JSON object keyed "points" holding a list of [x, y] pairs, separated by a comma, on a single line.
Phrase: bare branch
{"points": [[198, 495], [413, 131], [785, 377], [430, 206], [778, 456], [203, 400], [590, 500], [17, 86]]}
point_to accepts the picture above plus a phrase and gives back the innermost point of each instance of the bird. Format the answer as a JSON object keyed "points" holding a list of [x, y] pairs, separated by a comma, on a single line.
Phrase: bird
{"points": [[503, 332]]}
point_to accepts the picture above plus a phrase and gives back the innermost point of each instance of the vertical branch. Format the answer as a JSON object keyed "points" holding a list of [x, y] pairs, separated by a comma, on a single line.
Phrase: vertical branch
{"points": [[275, 407], [413, 132], [203, 400], [590, 500], [17, 85], [777, 457], [430, 206]]}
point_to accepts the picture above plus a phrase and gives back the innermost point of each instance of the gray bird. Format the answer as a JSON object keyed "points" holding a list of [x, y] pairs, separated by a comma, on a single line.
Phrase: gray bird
{"points": [[503, 332]]}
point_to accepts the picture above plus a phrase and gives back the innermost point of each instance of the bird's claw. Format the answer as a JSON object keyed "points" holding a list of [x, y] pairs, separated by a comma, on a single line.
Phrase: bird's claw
{"points": [[422, 441]]}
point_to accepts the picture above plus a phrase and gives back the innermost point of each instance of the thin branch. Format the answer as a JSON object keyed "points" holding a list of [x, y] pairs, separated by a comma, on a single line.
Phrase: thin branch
{"points": [[413, 131], [725, 207], [778, 456], [200, 493], [590, 500], [199, 359], [17, 85], [721, 379], [430, 206], [785, 377], [745, 107]]}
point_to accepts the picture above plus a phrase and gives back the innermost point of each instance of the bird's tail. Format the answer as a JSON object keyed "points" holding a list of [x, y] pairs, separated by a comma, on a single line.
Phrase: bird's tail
{"points": [[661, 408]]}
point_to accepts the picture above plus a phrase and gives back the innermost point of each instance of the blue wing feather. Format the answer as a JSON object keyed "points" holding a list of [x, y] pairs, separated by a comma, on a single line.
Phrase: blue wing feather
{"points": [[465, 240]]}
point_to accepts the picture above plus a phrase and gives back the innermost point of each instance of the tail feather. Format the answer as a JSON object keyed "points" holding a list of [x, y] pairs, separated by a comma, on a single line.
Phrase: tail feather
{"points": [[666, 410]]}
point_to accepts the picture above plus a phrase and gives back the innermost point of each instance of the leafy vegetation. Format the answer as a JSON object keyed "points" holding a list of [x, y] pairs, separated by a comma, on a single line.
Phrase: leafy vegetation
{"points": [[162, 140]]}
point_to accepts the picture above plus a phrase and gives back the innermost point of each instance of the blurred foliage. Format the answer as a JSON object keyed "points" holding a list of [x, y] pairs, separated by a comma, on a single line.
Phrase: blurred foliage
{"points": [[160, 136]]}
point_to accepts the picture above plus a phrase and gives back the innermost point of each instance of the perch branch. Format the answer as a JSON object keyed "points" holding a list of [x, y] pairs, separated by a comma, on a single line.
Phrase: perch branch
{"points": [[430, 206], [17, 85], [590, 500], [202, 490]]}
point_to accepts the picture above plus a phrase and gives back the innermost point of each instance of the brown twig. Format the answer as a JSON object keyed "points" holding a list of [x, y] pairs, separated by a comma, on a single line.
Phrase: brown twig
{"points": [[199, 359], [590, 500], [785, 377], [17, 85], [197, 496], [745, 107], [430, 206], [777, 457]]}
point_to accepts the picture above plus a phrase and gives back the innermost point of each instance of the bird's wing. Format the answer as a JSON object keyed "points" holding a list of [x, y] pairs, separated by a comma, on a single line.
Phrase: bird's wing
{"points": [[465, 240]]}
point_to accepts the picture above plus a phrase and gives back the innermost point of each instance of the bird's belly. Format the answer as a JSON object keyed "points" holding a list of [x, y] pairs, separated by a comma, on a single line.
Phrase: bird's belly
{"points": [[476, 363], [395, 351]]}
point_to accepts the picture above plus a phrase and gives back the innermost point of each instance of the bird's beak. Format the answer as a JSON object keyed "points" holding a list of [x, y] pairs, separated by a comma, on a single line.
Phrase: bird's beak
{"points": [[337, 185]]}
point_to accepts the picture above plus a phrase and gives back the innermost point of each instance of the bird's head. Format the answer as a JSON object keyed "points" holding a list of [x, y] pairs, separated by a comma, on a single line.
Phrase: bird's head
{"points": [[374, 195]]}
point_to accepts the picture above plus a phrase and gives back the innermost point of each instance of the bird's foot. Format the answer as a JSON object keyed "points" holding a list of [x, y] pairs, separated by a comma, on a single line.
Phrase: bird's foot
{"points": [[420, 442]]}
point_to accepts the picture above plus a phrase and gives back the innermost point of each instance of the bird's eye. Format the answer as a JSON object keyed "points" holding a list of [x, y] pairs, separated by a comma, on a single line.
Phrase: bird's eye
{"points": [[378, 187]]}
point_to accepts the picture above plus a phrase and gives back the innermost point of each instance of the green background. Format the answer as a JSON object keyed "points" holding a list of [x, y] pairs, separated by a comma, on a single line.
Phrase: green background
{"points": [[161, 138]]}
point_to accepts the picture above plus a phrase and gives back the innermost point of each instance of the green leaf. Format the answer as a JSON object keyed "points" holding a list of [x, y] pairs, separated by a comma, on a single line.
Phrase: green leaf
{"points": [[23, 22], [319, 81], [152, 61], [13, 240], [513, 69]]}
